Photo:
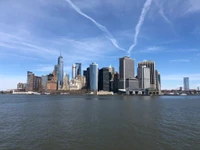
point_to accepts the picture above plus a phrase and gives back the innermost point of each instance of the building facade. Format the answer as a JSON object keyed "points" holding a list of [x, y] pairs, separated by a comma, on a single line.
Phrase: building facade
{"points": [[44, 82], [60, 75], [104, 79], [73, 71], [30, 81], [78, 69], [151, 66], [126, 70], [186, 83], [144, 77], [158, 81], [94, 77]]}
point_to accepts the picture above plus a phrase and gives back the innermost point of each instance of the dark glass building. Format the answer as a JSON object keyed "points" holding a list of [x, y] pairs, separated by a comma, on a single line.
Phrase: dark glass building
{"points": [[60, 76], [104, 79], [78, 69], [94, 77]]}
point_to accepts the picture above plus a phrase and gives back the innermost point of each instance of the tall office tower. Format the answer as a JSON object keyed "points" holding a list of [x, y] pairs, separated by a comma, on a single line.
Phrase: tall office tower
{"points": [[144, 77], [30, 81], [88, 78], [94, 77], [126, 70], [37, 85], [60, 72], [104, 79], [116, 82], [186, 83], [78, 69], [73, 71], [151, 66], [158, 81]]}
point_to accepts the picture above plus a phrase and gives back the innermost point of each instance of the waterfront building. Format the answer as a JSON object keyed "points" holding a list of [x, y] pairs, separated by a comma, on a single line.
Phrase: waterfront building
{"points": [[86, 74], [60, 75], [186, 83], [78, 83], [151, 66], [132, 83], [94, 77], [158, 81], [104, 79], [21, 86], [73, 71], [66, 82], [44, 82], [144, 77], [116, 82], [37, 85], [30, 81], [52, 82], [126, 70], [78, 69]]}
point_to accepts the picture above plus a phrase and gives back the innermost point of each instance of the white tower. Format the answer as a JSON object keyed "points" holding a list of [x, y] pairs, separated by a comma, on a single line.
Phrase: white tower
{"points": [[73, 71]]}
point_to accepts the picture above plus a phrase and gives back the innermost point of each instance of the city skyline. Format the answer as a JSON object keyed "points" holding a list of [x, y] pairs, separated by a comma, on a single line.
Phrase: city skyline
{"points": [[34, 33]]}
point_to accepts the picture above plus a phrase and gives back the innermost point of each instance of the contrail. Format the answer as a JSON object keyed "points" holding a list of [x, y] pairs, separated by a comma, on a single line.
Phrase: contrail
{"points": [[109, 36], [140, 23], [162, 13]]}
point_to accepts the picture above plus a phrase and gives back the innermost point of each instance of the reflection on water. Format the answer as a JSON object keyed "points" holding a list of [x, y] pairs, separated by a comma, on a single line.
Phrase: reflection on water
{"points": [[99, 122]]}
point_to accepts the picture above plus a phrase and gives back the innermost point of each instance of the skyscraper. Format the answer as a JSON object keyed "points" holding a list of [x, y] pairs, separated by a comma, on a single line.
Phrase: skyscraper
{"points": [[186, 83], [60, 72], [151, 66], [144, 77], [104, 79], [73, 71], [126, 70], [158, 80], [94, 77], [78, 69], [30, 81]]}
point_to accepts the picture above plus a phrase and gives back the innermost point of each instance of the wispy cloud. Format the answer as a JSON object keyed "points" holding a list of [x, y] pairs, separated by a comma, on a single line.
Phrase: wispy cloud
{"points": [[109, 36], [180, 61], [145, 9], [193, 6]]}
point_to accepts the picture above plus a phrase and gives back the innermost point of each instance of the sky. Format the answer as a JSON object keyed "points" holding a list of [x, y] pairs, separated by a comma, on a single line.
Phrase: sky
{"points": [[33, 33]]}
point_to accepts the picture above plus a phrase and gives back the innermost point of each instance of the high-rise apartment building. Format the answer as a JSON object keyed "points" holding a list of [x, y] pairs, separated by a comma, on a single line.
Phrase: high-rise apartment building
{"points": [[151, 66], [78, 69], [94, 77], [186, 83], [144, 77], [60, 76], [126, 70]]}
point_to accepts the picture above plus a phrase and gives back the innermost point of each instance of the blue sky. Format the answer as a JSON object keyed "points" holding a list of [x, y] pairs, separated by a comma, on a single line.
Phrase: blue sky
{"points": [[32, 34]]}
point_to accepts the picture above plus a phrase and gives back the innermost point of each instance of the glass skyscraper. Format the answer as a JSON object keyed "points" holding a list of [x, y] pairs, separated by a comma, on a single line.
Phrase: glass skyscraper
{"points": [[94, 77], [186, 83], [60, 72], [78, 69]]}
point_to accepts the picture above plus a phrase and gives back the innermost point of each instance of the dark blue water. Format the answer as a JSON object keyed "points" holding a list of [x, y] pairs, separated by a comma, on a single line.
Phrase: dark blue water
{"points": [[99, 123]]}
